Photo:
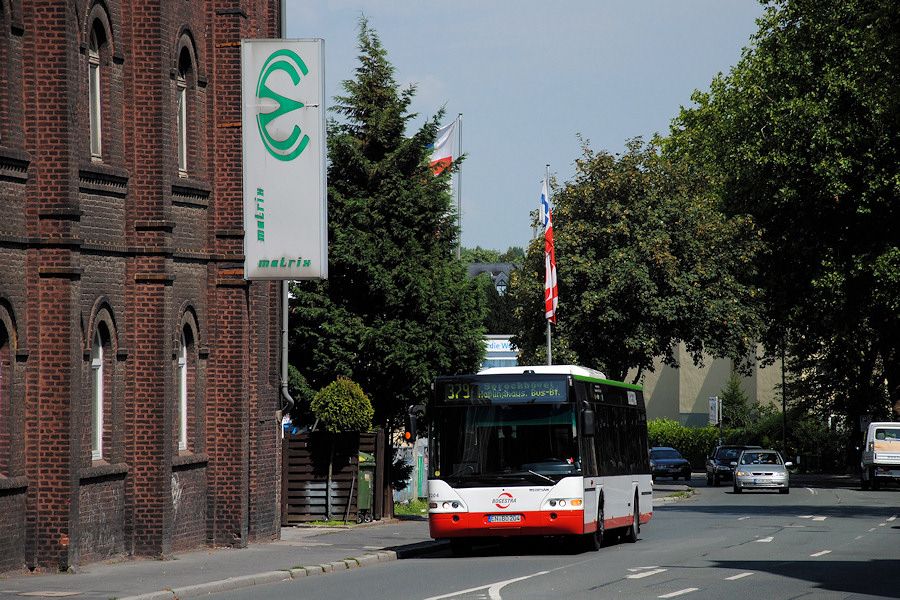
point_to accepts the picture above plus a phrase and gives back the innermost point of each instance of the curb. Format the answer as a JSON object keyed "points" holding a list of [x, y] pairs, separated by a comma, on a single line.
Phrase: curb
{"points": [[246, 581]]}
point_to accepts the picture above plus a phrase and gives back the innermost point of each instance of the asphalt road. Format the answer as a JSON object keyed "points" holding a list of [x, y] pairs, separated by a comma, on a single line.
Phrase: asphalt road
{"points": [[822, 541]]}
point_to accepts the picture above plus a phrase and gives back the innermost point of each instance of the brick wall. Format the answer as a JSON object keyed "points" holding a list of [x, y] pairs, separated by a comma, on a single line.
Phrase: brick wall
{"points": [[130, 244]]}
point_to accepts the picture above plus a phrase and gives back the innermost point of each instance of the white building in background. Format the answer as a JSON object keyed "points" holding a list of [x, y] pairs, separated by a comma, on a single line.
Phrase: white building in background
{"points": [[683, 394]]}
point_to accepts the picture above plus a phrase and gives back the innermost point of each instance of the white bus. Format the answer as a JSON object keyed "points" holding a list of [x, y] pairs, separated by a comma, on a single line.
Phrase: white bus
{"points": [[538, 451]]}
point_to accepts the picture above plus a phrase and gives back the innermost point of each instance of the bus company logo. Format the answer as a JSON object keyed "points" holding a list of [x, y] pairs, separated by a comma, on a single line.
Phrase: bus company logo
{"points": [[289, 148], [504, 501]]}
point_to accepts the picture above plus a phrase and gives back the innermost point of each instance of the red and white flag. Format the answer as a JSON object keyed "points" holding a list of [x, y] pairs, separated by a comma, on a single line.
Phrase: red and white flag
{"points": [[444, 148], [551, 291]]}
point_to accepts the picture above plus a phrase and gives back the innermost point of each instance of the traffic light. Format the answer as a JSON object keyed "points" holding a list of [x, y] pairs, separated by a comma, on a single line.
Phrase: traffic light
{"points": [[409, 434]]}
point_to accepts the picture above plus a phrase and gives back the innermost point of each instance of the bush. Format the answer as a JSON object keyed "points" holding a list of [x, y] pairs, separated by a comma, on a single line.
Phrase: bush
{"points": [[820, 448], [342, 406], [693, 443]]}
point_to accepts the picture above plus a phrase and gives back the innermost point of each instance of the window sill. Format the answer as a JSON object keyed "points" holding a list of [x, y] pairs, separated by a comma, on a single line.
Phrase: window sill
{"points": [[187, 459], [100, 468], [13, 483]]}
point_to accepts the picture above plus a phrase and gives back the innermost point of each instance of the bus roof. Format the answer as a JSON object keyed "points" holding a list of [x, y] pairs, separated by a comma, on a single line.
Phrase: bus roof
{"points": [[545, 370]]}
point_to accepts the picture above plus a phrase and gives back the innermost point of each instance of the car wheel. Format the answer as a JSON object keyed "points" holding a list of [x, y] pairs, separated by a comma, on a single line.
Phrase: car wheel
{"points": [[737, 489], [784, 491], [709, 480], [716, 480], [674, 477], [687, 476]]}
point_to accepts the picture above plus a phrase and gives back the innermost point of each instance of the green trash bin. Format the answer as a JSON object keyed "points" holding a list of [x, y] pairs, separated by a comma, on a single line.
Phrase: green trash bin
{"points": [[366, 483]]}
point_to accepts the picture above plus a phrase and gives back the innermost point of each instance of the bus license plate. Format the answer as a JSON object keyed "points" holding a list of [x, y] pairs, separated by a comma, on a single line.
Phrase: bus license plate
{"points": [[504, 518]]}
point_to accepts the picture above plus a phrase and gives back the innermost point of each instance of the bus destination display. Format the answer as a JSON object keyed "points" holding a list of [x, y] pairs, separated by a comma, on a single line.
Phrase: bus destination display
{"points": [[490, 392]]}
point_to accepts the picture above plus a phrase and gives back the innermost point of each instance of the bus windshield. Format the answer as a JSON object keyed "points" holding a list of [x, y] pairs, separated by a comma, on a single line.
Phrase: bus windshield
{"points": [[504, 444]]}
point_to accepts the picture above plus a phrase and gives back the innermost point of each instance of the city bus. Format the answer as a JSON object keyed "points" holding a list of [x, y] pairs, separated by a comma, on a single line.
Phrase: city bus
{"points": [[537, 451]]}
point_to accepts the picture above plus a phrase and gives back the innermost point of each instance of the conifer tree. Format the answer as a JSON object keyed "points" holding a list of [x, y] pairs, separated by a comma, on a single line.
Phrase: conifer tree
{"points": [[397, 309]]}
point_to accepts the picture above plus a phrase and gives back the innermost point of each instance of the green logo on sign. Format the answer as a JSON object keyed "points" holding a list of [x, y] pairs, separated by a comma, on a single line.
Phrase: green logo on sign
{"points": [[296, 142]]}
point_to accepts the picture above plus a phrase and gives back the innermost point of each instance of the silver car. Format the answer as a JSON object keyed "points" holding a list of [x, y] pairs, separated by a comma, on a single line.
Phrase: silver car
{"points": [[761, 469]]}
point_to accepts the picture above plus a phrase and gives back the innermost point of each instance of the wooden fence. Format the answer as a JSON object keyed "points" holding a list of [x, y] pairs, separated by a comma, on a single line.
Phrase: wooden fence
{"points": [[307, 492]]}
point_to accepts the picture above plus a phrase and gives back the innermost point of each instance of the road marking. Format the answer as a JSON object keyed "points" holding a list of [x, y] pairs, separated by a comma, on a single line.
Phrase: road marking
{"points": [[893, 518], [765, 540], [738, 576], [743, 518], [679, 593], [819, 518], [493, 588], [636, 569], [822, 553], [645, 574]]}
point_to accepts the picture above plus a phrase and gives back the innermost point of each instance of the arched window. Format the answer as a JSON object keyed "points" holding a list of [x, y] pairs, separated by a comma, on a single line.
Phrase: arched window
{"points": [[95, 89], [182, 372], [184, 82], [97, 397], [186, 386], [5, 400]]}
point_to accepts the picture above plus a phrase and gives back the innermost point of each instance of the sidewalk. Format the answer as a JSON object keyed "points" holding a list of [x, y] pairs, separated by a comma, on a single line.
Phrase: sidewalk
{"points": [[301, 552]]}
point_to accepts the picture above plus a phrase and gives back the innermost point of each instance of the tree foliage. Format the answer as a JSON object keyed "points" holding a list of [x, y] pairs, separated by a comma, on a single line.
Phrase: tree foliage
{"points": [[803, 135], [397, 309], [645, 261]]}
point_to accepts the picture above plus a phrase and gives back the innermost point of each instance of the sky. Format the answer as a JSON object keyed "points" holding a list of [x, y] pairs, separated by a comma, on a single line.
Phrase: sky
{"points": [[530, 77]]}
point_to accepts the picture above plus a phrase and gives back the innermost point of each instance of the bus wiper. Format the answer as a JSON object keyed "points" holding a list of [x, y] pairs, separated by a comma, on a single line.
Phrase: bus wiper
{"points": [[540, 475]]}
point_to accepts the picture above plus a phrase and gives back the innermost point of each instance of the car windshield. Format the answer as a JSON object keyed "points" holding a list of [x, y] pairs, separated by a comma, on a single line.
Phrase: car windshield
{"points": [[760, 458], [728, 454], [656, 454]]}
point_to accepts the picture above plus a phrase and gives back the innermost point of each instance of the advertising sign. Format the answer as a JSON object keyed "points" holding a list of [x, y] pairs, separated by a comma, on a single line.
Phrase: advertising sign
{"points": [[283, 123]]}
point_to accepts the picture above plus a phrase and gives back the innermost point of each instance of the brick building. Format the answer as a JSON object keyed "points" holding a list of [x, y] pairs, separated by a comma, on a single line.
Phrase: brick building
{"points": [[139, 382]]}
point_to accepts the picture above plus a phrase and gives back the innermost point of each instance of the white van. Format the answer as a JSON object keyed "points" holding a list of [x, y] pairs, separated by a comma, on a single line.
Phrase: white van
{"points": [[880, 460]]}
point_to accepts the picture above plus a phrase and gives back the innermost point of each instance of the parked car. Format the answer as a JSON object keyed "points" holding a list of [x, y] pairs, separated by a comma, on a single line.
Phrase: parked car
{"points": [[668, 462], [761, 470], [718, 463]]}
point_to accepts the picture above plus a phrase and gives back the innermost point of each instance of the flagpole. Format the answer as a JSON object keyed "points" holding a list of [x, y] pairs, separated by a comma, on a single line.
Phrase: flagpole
{"points": [[459, 185], [549, 351]]}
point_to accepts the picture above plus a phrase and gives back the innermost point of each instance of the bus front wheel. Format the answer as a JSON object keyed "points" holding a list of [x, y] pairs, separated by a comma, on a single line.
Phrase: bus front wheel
{"points": [[594, 540], [630, 534]]}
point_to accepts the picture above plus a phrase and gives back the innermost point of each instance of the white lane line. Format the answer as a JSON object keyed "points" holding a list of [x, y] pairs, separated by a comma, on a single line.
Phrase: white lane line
{"points": [[493, 588], [822, 553], [743, 518], [645, 574], [819, 518], [893, 518], [679, 593], [738, 576], [765, 540], [638, 569]]}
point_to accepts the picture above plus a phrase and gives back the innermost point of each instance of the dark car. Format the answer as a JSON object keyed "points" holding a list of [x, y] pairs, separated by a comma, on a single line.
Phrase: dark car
{"points": [[668, 462], [718, 463]]}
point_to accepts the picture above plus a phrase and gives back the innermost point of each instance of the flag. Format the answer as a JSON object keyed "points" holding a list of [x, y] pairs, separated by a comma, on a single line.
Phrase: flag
{"points": [[444, 148], [551, 291]]}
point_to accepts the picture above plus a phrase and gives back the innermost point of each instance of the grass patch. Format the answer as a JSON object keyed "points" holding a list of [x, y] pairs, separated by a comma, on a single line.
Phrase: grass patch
{"points": [[413, 507]]}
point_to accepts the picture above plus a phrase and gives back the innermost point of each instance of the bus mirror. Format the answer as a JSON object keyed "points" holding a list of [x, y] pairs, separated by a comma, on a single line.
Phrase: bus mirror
{"points": [[587, 420]]}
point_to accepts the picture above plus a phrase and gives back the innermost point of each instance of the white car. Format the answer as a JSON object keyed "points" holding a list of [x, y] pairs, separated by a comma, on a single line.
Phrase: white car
{"points": [[763, 470]]}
